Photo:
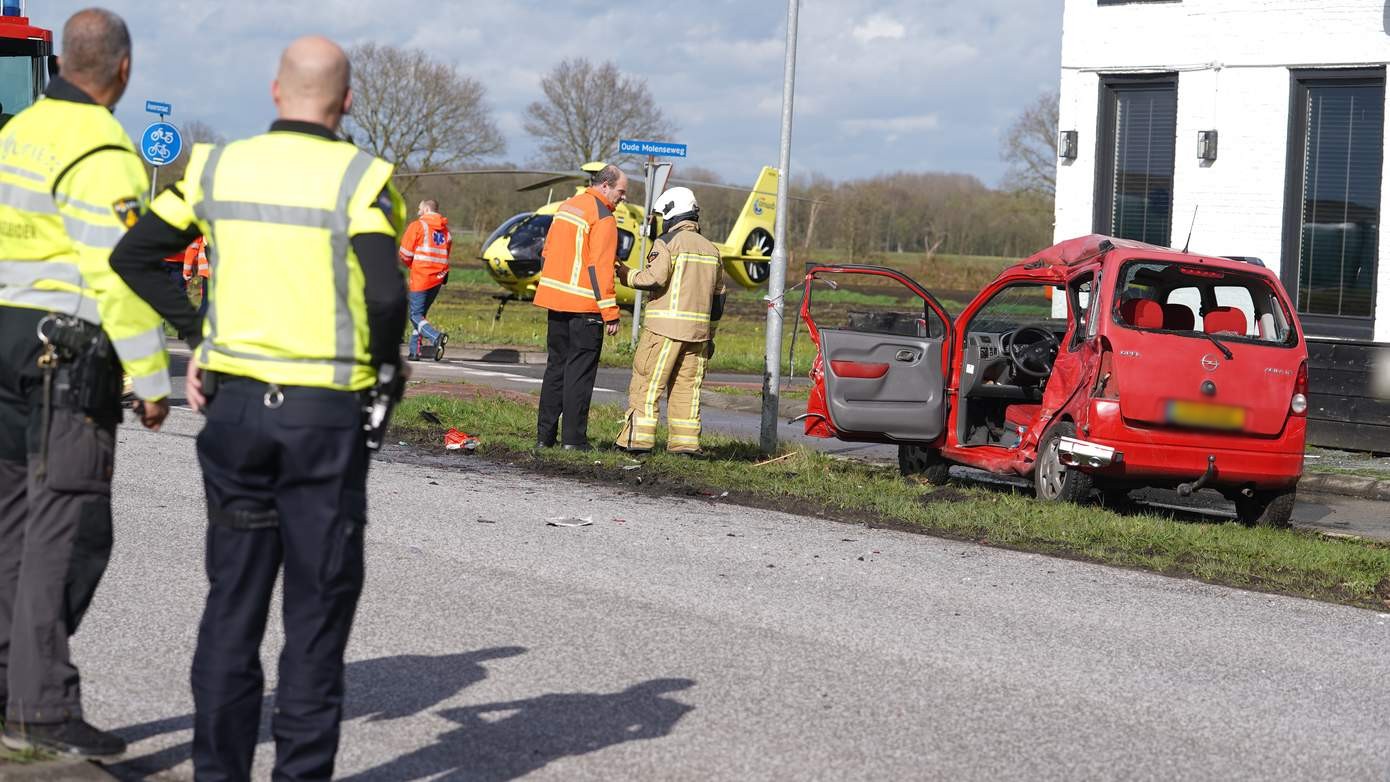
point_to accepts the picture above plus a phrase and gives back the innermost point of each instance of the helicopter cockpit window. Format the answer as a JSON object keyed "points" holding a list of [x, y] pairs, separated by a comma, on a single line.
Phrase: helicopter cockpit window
{"points": [[625, 242], [504, 229], [529, 237]]}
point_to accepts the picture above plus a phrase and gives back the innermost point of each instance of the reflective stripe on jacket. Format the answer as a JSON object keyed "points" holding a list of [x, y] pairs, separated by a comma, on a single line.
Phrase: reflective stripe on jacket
{"points": [[70, 185], [278, 210], [686, 275], [425, 249], [580, 248]]}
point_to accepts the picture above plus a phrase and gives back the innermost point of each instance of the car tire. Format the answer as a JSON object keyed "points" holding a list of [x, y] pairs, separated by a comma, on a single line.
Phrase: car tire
{"points": [[1266, 508], [1054, 481], [924, 461]]}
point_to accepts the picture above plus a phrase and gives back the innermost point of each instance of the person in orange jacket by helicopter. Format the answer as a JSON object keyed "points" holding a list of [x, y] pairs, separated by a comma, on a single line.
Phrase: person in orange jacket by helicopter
{"points": [[425, 250], [195, 264]]}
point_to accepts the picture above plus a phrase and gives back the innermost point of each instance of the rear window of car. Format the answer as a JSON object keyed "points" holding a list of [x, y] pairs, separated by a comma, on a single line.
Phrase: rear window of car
{"points": [[1196, 299]]}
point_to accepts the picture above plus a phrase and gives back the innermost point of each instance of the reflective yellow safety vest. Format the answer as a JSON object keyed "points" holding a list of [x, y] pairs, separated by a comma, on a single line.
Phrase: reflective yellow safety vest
{"points": [[70, 185], [278, 210]]}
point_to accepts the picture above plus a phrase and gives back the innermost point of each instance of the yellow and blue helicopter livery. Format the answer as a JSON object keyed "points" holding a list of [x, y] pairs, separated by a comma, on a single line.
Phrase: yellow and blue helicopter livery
{"points": [[512, 253]]}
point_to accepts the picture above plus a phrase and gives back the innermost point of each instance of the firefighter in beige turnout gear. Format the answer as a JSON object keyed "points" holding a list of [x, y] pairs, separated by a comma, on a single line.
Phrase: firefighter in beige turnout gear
{"points": [[687, 283]]}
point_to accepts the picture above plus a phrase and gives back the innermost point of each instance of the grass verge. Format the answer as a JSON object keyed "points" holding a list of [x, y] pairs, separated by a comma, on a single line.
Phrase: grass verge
{"points": [[1291, 562]]}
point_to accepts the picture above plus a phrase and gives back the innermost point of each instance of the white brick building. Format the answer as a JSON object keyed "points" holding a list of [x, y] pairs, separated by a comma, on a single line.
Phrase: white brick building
{"points": [[1295, 90]]}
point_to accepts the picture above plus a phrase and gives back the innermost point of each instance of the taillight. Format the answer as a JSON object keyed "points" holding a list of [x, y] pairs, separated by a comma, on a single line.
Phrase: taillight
{"points": [[1298, 404]]}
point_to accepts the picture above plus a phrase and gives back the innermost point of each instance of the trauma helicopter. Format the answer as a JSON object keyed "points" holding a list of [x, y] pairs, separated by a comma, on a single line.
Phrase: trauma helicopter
{"points": [[512, 252]]}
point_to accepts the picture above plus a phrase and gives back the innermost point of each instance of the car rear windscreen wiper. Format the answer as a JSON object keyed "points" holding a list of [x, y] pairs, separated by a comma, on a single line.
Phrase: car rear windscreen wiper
{"points": [[1225, 351]]}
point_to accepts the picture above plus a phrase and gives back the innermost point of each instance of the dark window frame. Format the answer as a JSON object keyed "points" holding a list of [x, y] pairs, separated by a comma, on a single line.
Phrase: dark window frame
{"points": [[1104, 193], [1343, 326]]}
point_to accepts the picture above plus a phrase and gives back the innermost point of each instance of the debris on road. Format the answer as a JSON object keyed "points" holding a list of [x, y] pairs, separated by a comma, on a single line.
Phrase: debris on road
{"points": [[487, 521], [570, 521], [775, 459], [632, 467], [430, 417], [455, 440]]}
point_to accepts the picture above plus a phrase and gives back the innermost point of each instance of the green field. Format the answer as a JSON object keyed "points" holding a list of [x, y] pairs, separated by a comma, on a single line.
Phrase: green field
{"points": [[466, 308]]}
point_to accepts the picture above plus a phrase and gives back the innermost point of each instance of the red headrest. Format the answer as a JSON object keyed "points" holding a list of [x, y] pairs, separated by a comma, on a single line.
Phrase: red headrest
{"points": [[1178, 317], [1142, 313], [1225, 320]]}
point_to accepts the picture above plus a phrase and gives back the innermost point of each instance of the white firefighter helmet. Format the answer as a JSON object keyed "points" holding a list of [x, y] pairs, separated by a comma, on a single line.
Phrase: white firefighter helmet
{"points": [[674, 202]]}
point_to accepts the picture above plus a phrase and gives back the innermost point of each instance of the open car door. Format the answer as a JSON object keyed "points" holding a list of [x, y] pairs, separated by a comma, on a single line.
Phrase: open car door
{"points": [[883, 356]]}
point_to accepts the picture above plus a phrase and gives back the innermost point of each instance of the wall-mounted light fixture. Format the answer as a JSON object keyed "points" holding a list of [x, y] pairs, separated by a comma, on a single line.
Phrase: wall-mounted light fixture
{"points": [[1066, 145], [1206, 145]]}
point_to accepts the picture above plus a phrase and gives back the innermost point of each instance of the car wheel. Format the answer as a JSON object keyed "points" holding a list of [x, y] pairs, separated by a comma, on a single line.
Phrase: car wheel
{"points": [[924, 461], [1054, 481], [1266, 508]]}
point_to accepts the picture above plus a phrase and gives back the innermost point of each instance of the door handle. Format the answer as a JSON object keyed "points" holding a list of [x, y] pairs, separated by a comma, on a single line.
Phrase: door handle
{"points": [[906, 355]]}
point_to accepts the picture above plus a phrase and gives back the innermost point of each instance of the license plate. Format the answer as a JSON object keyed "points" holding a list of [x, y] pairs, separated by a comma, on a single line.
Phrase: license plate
{"points": [[1204, 415]]}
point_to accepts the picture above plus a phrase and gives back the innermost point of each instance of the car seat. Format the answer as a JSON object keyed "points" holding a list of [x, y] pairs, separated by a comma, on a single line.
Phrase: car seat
{"points": [[1224, 320], [1142, 313], [1178, 317]]}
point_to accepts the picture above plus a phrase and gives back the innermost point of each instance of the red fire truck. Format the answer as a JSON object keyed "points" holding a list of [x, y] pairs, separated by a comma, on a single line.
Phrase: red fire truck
{"points": [[26, 57]]}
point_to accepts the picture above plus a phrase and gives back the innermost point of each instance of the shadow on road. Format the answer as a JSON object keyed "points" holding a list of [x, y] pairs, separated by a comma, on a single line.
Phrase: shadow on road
{"points": [[384, 688], [501, 741]]}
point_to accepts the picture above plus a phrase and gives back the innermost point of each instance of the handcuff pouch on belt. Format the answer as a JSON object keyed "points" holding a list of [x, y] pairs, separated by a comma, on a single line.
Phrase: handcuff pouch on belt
{"points": [[81, 364]]}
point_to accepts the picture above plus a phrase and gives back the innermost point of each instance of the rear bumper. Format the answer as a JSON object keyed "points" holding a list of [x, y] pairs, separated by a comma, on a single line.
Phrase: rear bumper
{"points": [[1166, 455]]}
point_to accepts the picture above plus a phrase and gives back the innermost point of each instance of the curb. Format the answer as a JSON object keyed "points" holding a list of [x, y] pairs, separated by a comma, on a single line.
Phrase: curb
{"points": [[1349, 485], [497, 355], [55, 771]]}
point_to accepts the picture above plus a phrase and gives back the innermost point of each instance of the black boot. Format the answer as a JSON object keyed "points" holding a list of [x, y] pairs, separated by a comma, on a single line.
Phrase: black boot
{"points": [[74, 738]]}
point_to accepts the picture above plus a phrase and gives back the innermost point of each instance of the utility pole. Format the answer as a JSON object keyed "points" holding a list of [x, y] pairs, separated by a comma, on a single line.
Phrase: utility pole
{"points": [[777, 279]]}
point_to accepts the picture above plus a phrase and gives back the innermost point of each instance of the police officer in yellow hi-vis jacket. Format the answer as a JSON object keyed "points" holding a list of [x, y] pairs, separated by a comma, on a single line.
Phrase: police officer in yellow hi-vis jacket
{"points": [[678, 325], [306, 305], [70, 185]]}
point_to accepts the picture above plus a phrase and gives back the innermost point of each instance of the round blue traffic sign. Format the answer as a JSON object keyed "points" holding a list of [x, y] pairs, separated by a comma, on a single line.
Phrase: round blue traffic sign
{"points": [[161, 143]]}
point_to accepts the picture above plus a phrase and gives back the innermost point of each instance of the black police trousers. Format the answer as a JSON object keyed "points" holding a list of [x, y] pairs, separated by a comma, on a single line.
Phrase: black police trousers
{"points": [[573, 341], [55, 528], [285, 478]]}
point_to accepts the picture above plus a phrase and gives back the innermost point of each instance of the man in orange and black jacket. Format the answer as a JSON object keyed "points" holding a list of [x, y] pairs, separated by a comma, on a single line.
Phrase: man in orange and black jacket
{"points": [[576, 286]]}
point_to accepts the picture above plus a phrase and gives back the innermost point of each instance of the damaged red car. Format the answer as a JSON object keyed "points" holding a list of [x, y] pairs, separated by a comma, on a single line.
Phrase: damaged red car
{"points": [[1097, 365]]}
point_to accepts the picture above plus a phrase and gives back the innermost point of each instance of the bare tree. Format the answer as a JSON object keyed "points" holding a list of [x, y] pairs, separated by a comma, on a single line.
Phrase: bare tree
{"points": [[420, 114], [1030, 147], [587, 109]]}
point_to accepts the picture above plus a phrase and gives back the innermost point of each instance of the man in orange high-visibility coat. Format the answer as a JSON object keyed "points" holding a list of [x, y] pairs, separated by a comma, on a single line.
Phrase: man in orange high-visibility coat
{"points": [[195, 264], [576, 286], [425, 249]]}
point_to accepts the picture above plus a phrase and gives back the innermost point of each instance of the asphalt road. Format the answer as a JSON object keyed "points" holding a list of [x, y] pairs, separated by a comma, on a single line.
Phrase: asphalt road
{"points": [[690, 639]]}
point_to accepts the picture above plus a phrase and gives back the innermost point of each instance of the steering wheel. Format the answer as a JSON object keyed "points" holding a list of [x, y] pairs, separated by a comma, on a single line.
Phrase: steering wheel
{"points": [[1033, 357]]}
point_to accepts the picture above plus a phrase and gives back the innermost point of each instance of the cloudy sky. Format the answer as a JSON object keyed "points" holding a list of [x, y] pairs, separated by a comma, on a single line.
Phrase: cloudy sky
{"points": [[882, 85]]}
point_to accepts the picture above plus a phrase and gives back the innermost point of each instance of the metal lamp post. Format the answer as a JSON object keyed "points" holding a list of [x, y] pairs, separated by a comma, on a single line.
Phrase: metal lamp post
{"points": [[777, 279]]}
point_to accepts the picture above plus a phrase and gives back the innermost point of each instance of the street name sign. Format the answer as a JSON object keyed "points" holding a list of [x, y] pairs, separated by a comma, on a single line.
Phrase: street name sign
{"points": [[652, 148], [159, 107]]}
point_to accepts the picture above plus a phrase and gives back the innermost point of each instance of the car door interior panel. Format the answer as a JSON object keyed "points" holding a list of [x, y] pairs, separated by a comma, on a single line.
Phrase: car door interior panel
{"points": [[884, 383]]}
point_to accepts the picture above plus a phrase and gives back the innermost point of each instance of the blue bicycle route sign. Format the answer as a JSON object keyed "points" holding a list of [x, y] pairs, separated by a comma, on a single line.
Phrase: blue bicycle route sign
{"points": [[158, 107], [161, 143], [653, 148]]}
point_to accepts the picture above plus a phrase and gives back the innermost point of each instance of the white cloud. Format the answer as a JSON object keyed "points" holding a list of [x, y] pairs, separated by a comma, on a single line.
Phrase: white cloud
{"points": [[872, 70], [879, 26], [891, 127]]}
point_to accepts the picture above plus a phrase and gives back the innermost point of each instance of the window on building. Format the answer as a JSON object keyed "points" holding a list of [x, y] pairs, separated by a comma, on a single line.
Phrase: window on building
{"points": [[1332, 219], [1134, 187]]}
